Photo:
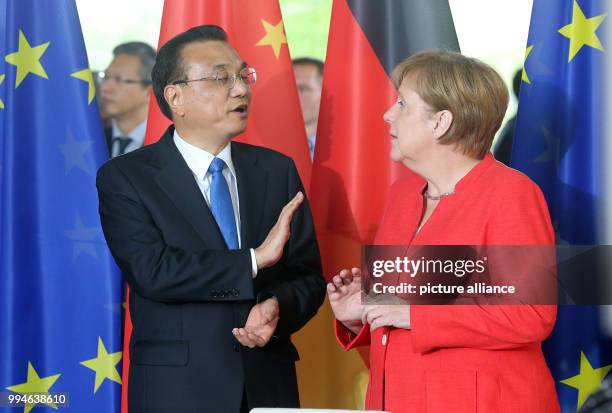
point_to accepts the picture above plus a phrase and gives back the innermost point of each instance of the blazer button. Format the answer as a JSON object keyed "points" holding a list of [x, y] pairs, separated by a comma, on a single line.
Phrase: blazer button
{"points": [[384, 339], [235, 292], [214, 294], [221, 294]]}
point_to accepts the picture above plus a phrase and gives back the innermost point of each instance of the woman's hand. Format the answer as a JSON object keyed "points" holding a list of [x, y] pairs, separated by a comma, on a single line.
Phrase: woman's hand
{"points": [[391, 315], [344, 292]]}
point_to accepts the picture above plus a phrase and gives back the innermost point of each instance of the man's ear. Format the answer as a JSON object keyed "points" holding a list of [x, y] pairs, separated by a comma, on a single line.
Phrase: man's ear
{"points": [[443, 120], [174, 97], [149, 90]]}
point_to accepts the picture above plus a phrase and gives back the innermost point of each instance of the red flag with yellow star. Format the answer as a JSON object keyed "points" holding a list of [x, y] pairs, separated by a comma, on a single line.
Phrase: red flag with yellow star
{"points": [[255, 29]]}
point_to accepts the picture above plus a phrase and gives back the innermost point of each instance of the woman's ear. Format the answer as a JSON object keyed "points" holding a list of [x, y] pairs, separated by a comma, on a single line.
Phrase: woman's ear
{"points": [[442, 123], [174, 97]]}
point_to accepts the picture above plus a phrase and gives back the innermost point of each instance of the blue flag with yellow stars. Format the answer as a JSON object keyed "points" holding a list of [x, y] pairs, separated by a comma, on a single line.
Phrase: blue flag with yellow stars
{"points": [[60, 291], [562, 141]]}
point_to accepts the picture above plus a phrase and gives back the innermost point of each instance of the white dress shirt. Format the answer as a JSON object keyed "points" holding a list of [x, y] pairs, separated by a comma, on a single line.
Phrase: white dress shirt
{"points": [[137, 134], [199, 160]]}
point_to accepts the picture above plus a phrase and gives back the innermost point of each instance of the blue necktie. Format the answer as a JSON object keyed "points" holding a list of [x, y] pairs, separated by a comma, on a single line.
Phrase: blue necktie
{"points": [[221, 204]]}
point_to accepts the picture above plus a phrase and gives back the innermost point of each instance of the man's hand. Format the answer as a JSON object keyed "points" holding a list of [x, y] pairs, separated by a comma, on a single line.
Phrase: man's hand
{"points": [[260, 324], [271, 250], [344, 292]]}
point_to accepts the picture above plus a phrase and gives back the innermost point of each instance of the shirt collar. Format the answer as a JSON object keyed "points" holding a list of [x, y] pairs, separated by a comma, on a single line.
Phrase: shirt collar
{"points": [[137, 134], [198, 160], [472, 176]]}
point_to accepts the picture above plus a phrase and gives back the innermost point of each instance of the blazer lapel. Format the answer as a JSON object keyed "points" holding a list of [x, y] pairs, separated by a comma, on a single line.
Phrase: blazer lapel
{"points": [[177, 181], [252, 184]]}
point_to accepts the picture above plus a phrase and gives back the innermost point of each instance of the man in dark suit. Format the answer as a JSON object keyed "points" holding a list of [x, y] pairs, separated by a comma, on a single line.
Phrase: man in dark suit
{"points": [[216, 241]]}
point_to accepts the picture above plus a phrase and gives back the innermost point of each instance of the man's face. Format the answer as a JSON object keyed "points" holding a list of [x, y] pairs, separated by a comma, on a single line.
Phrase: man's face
{"points": [[209, 107], [121, 99], [309, 83]]}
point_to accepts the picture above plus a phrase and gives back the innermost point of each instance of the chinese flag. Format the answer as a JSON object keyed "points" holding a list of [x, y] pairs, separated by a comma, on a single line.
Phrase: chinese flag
{"points": [[255, 29], [352, 171]]}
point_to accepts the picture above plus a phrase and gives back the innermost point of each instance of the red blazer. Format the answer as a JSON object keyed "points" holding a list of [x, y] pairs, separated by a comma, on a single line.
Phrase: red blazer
{"points": [[464, 358]]}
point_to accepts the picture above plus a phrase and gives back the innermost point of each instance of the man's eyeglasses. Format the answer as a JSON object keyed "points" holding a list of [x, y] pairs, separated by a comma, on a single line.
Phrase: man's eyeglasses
{"points": [[105, 77], [223, 79]]}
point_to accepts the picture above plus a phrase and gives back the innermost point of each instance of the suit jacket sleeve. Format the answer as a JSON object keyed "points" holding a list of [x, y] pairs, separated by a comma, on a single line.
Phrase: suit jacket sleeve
{"points": [[156, 270], [349, 340], [301, 290], [520, 219]]}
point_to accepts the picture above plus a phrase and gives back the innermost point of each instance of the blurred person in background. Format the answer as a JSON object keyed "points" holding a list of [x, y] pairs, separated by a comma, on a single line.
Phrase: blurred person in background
{"points": [[503, 146], [97, 77], [309, 79], [125, 88]]}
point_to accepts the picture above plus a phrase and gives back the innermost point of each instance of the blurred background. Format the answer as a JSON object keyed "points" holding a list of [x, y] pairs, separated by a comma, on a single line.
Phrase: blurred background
{"points": [[494, 31]]}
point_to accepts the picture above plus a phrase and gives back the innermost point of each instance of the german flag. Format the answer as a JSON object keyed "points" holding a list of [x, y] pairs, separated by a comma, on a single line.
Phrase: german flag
{"points": [[352, 171]]}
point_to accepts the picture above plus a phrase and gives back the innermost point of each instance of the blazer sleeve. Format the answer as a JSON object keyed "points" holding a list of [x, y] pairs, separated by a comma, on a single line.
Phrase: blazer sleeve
{"points": [[520, 219], [156, 270], [349, 340], [301, 290]]}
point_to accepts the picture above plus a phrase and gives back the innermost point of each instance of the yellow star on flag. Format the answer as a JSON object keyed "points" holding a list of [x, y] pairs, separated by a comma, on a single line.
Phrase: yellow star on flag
{"points": [[2, 81], [581, 31], [524, 76], [27, 59], [87, 76], [275, 36], [35, 384], [104, 365], [588, 380]]}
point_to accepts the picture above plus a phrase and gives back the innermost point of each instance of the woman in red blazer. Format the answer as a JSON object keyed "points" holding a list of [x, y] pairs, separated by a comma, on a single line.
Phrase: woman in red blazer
{"points": [[461, 358]]}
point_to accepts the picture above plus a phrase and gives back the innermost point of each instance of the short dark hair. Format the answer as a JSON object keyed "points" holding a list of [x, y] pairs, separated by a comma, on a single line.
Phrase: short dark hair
{"points": [[309, 61], [143, 51], [169, 65]]}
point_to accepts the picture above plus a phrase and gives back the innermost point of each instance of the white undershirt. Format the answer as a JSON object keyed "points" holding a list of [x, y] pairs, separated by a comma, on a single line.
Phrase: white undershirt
{"points": [[198, 160]]}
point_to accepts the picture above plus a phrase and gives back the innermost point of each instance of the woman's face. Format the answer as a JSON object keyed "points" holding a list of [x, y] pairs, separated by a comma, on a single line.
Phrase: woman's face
{"points": [[411, 124]]}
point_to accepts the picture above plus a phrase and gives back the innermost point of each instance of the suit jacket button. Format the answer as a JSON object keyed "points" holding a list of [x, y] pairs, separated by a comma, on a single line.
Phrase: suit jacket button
{"points": [[213, 294], [235, 292], [221, 294]]}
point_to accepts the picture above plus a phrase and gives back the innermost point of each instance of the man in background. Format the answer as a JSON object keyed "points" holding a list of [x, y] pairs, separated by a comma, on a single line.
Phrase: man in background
{"points": [[309, 80], [503, 147], [125, 88]]}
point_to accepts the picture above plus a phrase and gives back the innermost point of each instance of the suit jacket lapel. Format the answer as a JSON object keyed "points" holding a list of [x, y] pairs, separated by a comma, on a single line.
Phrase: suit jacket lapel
{"points": [[177, 181], [252, 183]]}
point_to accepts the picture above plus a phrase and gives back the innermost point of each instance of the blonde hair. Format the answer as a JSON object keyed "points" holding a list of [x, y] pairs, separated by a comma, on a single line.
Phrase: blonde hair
{"points": [[471, 90]]}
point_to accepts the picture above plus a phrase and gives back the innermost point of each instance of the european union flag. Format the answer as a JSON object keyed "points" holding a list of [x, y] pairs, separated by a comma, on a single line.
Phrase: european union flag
{"points": [[562, 141], [60, 292]]}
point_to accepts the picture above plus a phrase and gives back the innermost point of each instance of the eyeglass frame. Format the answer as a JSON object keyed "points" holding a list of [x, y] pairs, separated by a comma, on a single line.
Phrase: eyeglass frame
{"points": [[103, 77], [233, 76]]}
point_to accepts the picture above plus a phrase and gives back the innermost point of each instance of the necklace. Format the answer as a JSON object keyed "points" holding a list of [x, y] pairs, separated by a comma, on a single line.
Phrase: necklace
{"points": [[438, 197]]}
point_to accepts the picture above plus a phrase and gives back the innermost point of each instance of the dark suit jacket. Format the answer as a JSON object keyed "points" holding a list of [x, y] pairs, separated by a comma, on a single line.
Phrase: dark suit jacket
{"points": [[188, 290]]}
